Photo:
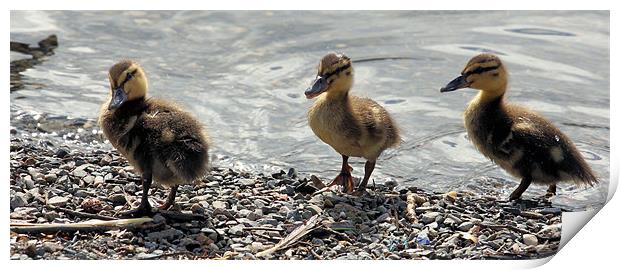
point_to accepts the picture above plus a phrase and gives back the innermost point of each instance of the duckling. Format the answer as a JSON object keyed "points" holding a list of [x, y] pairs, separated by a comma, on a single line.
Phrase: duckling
{"points": [[162, 142], [353, 126], [520, 141]]}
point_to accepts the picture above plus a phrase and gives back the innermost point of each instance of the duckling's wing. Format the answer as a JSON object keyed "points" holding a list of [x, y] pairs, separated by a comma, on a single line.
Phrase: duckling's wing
{"points": [[546, 146], [375, 120], [177, 139]]}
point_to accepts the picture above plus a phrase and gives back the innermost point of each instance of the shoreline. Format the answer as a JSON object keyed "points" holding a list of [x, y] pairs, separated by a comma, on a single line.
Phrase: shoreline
{"points": [[249, 212]]}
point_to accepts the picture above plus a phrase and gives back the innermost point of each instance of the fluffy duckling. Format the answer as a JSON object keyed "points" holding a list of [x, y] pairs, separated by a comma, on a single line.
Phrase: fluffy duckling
{"points": [[520, 141], [353, 126], [162, 142]]}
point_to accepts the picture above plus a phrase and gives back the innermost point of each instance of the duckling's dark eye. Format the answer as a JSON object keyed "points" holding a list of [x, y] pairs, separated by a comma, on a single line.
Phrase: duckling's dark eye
{"points": [[130, 76]]}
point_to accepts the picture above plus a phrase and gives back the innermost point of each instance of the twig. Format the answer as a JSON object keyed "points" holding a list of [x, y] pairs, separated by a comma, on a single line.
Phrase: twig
{"points": [[88, 226], [293, 237], [80, 214]]}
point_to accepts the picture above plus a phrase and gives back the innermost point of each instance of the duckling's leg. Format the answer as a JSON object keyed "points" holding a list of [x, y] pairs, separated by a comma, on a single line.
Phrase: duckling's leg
{"points": [[344, 178], [368, 168], [170, 200], [551, 191], [145, 208], [525, 183]]}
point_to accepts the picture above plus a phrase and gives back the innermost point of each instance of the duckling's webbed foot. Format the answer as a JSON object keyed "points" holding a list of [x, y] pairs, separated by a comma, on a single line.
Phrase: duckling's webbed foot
{"points": [[145, 207], [171, 197], [343, 179], [368, 169], [525, 183]]}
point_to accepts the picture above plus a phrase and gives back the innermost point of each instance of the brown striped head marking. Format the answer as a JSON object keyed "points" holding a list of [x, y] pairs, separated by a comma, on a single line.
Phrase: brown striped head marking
{"points": [[334, 75], [483, 72], [127, 82]]}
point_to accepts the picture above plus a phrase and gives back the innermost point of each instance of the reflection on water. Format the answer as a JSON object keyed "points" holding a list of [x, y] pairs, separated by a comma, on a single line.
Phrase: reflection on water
{"points": [[243, 74]]}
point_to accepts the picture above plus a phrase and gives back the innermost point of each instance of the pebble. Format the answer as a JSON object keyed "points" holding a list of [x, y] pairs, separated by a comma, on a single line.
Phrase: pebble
{"points": [[58, 201], [368, 227], [18, 200], [117, 198], [530, 240], [219, 205], [429, 217], [465, 226]]}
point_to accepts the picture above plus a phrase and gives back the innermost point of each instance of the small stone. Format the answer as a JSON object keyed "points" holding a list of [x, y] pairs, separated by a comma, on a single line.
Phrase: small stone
{"points": [[465, 226], [117, 198], [383, 217], [29, 183], [50, 177], [52, 247], [236, 230], [88, 180], [391, 183], [61, 153], [131, 188], [256, 247], [288, 190], [530, 240], [58, 201], [100, 180], [158, 218], [429, 217], [78, 172], [551, 231], [81, 193], [529, 214], [196, 207], [18, 200], [219, 205], [247, 182]]}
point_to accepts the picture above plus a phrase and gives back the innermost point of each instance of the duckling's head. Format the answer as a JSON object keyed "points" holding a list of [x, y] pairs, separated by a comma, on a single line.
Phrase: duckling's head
{"points": [[127, 82], [483, 72], [335, 75]]}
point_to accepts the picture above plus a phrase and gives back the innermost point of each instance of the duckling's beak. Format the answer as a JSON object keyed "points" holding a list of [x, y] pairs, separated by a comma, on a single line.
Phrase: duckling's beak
{"points": [[318, 86], [118, 98], [458, 83]]}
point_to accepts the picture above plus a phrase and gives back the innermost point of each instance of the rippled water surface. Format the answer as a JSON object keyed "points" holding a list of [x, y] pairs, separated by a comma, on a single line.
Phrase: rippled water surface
{"points": [[243, 74]]}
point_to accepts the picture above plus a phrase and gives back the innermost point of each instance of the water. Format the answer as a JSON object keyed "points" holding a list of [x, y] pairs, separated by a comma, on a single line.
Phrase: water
{"points": [[243, 74]]}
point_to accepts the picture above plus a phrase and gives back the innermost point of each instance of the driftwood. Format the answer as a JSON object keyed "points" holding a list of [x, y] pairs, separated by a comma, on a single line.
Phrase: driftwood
{"points": [[295, 236], [87, 226]]}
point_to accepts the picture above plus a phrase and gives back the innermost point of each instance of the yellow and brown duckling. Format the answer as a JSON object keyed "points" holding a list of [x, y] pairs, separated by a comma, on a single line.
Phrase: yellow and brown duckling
{"points": [[162, 142], [520, 141], [353, 126]]}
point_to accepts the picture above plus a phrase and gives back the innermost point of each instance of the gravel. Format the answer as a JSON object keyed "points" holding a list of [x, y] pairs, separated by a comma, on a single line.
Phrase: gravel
{"points": [[246, 211]]}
